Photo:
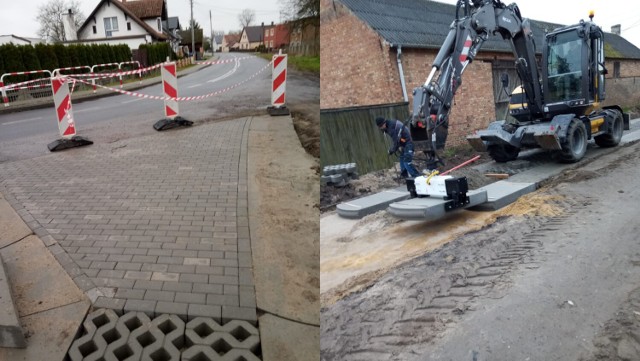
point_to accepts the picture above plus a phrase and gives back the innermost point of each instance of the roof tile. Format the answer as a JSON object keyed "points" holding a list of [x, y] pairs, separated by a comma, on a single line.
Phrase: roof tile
{"points": [[425, 24]]}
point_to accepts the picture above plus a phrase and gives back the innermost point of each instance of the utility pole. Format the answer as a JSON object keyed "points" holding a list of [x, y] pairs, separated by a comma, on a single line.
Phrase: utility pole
{"points": [[211, 25], [193, 37]]}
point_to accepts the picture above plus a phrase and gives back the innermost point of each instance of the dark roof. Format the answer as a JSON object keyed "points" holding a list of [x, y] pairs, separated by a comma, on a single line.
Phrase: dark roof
{"points": [[425, 24], [615, 46], [128, 12], [254, 33], [145, 9], [171, 23]]}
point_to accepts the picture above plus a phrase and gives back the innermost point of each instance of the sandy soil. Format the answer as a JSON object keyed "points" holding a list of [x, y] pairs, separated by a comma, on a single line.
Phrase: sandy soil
{"points": [[555, 276], [283, 196]]}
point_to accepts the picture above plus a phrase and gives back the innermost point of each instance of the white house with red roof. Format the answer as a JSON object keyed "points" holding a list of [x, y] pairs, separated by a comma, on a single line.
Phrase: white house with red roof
{"points": [[132, 22]]}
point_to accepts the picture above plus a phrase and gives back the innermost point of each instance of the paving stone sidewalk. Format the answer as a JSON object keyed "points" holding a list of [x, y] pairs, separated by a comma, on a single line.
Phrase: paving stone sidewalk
{"points": [[156, 224]]}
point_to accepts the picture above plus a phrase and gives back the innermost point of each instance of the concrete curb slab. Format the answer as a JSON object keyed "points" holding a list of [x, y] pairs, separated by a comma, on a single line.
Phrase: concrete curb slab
{"points": [[10, 331], [12, 228], [364, 206], [429, 208], [503, 193], [288, 341], [50, 333]]}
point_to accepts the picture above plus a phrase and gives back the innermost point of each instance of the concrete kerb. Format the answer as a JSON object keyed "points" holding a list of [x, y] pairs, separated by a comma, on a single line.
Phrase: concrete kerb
{"points": [[79, 98]]}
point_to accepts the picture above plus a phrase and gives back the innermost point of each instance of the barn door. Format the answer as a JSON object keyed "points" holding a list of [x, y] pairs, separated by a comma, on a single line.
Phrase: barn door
{"points": [[500, 97]]}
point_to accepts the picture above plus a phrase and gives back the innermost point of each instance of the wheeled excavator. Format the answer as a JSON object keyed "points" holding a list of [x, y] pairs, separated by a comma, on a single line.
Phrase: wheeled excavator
{"points": [[557, 108]]}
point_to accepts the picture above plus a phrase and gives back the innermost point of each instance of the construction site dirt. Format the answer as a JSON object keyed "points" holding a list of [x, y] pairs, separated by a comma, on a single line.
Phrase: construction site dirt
{"points": [[552, 276]]}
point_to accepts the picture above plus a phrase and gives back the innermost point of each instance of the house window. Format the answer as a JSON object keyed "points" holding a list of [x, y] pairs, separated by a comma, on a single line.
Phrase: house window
{"points": [[271, 44], [266, 33], [95, 31], [129, 26], [110, 26], [271, 31], [159, 25], [616, 69]]}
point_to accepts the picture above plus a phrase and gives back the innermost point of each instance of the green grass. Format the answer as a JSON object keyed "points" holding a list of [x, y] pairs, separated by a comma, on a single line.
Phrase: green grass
{"points": [[302, 63]]}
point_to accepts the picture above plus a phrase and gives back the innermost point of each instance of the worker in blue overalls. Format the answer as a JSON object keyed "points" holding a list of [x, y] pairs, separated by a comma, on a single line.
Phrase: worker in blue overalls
{"points": [[401, 138]]}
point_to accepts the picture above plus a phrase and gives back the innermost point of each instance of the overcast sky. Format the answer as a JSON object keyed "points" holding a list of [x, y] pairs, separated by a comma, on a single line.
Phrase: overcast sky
{"points": [[18, 17], [566, 12]]}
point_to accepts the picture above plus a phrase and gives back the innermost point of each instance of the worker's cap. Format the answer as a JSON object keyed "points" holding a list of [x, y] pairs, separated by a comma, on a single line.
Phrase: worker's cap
{"points": [[379, 121]]}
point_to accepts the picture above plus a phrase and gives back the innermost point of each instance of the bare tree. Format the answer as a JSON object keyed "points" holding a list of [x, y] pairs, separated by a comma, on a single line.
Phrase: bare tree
{"points": [[300, 9], [246, 17], [50, 18]]}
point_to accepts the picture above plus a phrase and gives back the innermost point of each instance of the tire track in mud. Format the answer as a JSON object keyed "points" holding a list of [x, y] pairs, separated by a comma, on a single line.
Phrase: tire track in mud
{"points": [[396, 318]]}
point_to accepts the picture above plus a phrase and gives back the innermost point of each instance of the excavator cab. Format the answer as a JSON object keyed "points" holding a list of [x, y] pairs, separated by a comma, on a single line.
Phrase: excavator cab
{"points": [[573, 69]]}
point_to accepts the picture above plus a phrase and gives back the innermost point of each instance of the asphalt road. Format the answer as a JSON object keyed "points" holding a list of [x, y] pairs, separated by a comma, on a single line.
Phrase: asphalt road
{"points": [[25, 134]]}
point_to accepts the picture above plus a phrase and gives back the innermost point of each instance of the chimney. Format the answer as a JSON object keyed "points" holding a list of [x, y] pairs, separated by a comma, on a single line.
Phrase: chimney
{"points": [[272, 23], [616, 29], [70, 31]]}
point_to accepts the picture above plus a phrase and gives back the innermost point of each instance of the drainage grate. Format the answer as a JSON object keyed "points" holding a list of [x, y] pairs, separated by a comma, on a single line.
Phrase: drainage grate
{"points": [[134, 336]]}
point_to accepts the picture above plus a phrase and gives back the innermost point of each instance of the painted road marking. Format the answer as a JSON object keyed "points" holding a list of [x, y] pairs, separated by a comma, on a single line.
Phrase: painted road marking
{"points": [[86, 110], [21, 121], [194, 86], [131, 101], [227, 74]]}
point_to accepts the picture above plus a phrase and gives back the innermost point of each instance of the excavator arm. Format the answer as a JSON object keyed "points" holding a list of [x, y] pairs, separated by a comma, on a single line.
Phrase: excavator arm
{"points": [[479, 19]]}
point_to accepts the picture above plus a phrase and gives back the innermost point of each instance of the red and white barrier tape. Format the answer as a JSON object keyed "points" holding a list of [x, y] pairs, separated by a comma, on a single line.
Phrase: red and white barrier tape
{"points": [[112, 75], [11, 86], [180, 99], [223, 61]]}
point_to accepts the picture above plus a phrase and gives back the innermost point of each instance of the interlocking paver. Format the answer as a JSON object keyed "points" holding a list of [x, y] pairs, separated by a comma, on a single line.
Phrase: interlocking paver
{"points": [[164, 219], [165, 276]]}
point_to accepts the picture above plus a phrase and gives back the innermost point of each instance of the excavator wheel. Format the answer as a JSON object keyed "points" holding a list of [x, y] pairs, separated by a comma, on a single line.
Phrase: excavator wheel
{"points": [[575, 146], [613, 138], [503, 153]]}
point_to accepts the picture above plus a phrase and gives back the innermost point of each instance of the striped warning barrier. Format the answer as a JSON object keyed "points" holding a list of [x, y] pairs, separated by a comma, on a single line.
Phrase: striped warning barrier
{"points": [[57, 72], [5, 99], [106, 65], [113, 75], [279, 85], [279, 80], [21, 84], [62, 103], [170, 89], [128, 63], [64, 114]]}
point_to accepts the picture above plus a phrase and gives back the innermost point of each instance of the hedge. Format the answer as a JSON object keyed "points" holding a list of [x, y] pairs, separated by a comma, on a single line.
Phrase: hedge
{"points": [[14, 58], [157, 53]]}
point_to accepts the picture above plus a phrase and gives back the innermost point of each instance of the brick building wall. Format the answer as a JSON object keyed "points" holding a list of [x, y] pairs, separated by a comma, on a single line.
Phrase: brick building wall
{"points": [[628, 68], [356, 63]]}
